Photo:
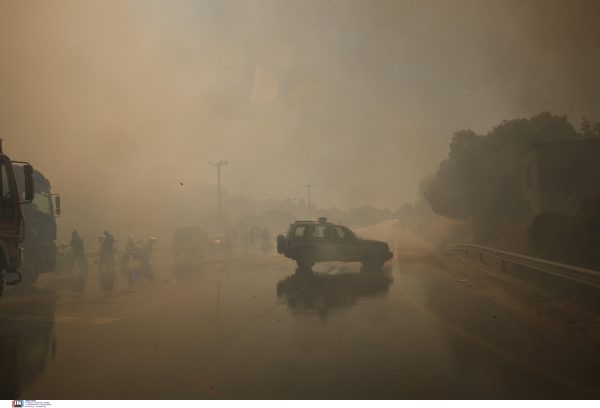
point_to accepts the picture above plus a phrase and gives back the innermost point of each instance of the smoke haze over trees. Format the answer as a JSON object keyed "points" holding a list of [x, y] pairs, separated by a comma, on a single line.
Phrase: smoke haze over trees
{"points": [[122, 104], [364, 93], [480, 179]]}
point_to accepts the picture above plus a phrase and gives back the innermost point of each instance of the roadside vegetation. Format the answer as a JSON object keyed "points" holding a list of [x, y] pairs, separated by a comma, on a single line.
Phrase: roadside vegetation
{"points": [[573, 240], [476, 195]]}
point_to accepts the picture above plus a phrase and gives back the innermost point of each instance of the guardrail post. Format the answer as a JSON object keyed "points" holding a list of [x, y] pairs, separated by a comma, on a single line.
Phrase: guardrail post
{"points": [[504, 265], [480, 257]]}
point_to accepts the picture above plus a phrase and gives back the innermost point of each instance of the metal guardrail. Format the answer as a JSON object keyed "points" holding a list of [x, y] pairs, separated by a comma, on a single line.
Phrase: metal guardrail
{"points": [[581, 275]]}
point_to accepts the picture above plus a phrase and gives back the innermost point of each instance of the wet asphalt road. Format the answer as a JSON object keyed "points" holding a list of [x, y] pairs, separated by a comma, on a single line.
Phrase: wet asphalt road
{"points": [[253, 326]]}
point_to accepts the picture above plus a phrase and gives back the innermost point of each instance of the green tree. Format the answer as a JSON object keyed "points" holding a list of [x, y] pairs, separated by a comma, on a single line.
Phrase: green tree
{"points": [[589, 129], [450, 193], [480, 179]]}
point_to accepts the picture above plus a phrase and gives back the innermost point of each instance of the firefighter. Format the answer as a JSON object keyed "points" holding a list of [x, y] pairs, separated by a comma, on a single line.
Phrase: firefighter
{"points": [[78, 254], [108, 241], [107, 250]]}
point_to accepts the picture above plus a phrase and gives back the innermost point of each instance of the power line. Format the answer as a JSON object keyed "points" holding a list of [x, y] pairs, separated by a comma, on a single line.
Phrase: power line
{"points": [[309, 186]]}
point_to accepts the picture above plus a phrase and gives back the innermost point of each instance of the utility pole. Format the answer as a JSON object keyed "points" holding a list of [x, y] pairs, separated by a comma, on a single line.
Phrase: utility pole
{"points": [[219, 164], [309, 186]]}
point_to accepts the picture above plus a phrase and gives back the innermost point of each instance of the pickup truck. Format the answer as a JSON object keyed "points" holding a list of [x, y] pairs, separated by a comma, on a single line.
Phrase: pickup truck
{"points": [[308, 242]]}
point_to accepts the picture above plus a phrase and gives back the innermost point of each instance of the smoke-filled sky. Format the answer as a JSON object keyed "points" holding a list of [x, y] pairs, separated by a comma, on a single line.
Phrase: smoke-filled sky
{"points": [[360, 98]]}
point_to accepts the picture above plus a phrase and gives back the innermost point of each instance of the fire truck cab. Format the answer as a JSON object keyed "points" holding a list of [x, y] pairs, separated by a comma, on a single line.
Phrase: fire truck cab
{"points": [[12, 222], [39, 254]]}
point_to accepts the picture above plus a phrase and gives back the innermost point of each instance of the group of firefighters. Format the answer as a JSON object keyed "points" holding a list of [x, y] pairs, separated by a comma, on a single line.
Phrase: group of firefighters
{"points": [[249, 238], [74, 253]]}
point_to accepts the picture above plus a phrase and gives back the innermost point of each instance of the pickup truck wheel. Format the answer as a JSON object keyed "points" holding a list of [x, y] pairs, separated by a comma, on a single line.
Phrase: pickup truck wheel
{"points": [[374, 263], [306, 261], [280, 244]]}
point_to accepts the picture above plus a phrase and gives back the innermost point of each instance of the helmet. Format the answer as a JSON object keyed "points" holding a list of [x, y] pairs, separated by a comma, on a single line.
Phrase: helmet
{"points": [[75, 233]]}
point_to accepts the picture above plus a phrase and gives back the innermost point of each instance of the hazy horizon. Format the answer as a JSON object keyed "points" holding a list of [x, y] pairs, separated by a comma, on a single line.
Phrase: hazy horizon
{"points": [[125, 99]]}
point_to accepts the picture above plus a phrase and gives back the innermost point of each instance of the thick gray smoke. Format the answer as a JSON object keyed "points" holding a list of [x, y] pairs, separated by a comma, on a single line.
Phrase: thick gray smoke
{"points": [[126, 102]]}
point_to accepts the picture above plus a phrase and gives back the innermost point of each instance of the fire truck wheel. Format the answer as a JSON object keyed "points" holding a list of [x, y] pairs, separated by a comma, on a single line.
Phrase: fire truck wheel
{"points": [[30, 271], [306, 261]]}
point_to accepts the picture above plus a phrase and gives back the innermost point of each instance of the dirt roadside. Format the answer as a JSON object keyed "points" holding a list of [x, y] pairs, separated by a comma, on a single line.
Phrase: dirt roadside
{"points": [[558, 319]]}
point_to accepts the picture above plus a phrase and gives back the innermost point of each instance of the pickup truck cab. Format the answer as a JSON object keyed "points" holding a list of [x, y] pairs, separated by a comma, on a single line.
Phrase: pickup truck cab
{"points": [[308, 242]]}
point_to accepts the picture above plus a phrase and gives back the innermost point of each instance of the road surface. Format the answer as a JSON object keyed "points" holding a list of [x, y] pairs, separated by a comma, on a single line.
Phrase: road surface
{"points": [[254, 326]]}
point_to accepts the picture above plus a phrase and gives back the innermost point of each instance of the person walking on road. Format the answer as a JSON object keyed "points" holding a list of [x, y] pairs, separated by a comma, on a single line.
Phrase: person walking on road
{"points": [[78, 254], [107, 250]]}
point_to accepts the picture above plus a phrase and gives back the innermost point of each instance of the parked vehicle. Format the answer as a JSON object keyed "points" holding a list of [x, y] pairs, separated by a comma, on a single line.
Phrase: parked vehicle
{"points": [[39, 249], [190, 242], [222, 242], [308, 242], [13, 227]]}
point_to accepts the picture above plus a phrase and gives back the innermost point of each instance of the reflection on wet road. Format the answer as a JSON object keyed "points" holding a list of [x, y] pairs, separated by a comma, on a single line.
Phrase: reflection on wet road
{"points": [[309, 291], [252, 325], [25, 348]]}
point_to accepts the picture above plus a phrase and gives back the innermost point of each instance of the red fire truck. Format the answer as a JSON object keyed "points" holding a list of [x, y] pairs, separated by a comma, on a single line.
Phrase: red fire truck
{"points": [[12, 222]]}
